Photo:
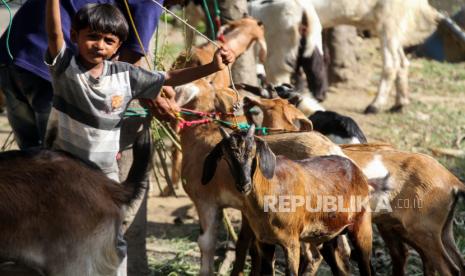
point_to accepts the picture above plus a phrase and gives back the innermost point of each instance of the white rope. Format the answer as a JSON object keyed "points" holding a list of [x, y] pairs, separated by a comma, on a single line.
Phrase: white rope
{"points": [[187, 24], [237, 104]]}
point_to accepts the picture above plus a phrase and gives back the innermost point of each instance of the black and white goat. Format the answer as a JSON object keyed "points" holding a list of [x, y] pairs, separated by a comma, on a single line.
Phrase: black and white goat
{"points": [[338, 128], [60, 215]]}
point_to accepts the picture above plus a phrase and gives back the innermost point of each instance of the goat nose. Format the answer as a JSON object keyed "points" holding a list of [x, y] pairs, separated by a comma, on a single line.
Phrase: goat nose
{"points": [[247, 188]]}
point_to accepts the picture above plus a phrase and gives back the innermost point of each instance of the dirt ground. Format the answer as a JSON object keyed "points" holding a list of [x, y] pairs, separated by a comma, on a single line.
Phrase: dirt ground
{"points": [[415, 129], [175, 242]]}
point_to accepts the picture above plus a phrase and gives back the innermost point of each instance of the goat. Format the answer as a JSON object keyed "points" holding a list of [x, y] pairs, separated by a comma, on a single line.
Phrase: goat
{"points": [[427, 224], [338, 128], [258, 173], [391, 20], [302, 101], [60, 215], [287, 57], [285, 22], [239, 35], [399, 175], [197, 141]]}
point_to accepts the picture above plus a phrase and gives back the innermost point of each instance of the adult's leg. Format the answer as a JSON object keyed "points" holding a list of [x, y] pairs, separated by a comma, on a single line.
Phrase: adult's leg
{"points": [[2, 100], [135, 222], [28, 103]]}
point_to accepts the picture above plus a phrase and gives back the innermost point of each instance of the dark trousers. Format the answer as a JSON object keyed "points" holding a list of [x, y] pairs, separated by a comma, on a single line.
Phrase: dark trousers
{"points": [[28, 103]]}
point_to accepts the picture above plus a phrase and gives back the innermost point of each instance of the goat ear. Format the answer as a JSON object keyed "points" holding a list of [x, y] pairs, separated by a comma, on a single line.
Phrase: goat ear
{"points": [[267, 159], [253, 112], [210, 163], [248, 101]]}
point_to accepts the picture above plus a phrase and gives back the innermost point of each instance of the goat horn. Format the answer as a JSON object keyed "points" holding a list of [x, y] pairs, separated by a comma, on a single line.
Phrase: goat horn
{"points": [[224, 133], [251, 131]]}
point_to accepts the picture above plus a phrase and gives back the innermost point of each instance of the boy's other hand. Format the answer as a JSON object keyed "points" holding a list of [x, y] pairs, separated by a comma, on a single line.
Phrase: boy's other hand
{"points": [[166, 107], [223, 57]]}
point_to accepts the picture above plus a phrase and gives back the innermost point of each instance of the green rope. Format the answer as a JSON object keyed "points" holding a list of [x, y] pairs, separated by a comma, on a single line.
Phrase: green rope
{"points": [[217, 8], [210, 21], [8, 29], [188, 113], [243, 126], [136, 112], [137, 109]]}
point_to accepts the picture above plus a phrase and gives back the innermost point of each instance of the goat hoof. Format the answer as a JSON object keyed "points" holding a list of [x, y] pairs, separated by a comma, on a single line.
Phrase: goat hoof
{"points": [[398, 108], [166, 192], [371, 110], [320, 97]]}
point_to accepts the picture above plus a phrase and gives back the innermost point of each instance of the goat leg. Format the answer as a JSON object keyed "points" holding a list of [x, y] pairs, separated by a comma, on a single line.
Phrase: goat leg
{"points": [[397, 250], [244, 242]]}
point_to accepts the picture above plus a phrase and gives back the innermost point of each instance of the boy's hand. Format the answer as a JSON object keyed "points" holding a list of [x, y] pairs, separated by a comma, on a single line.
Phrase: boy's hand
{"points": [[223, 57], [165, 104]]}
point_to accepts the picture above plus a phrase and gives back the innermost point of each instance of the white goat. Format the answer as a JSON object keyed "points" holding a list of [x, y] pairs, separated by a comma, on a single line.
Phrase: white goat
{"points": [[282, 20], [394, 21]]}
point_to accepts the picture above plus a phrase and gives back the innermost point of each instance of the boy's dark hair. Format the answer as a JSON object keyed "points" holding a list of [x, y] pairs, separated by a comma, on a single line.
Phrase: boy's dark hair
{"points": [[102, 18]]}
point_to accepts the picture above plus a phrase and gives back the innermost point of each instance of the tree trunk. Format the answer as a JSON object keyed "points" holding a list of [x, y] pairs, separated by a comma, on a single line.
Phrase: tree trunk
{"points": [[243, 70], [341, 42]]}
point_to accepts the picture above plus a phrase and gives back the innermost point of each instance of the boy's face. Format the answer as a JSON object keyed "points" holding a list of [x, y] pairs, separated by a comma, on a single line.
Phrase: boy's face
{"points": [[95, 47]]}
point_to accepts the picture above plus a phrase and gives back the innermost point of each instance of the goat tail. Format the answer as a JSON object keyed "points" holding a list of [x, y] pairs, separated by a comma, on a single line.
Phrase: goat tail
{"points": [[457, 192], [460, 191], [137, 180]]}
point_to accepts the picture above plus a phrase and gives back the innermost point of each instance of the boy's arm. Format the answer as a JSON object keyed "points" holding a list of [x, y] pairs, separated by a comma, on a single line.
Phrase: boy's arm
{"points": [[53, 27], [221, 59], [186, 75]]}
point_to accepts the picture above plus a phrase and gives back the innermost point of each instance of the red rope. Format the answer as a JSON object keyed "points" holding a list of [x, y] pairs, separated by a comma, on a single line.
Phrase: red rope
{"points": [[183, 124], [206, 114], [219, 36]]}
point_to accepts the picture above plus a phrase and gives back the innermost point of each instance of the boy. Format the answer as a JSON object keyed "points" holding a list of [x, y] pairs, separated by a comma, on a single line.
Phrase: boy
{"points": [[26, 79], [91, 93]]}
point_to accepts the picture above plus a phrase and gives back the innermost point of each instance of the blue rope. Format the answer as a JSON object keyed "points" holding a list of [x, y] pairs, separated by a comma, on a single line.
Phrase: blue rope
{"points": [[8, 29], [246, 126]]}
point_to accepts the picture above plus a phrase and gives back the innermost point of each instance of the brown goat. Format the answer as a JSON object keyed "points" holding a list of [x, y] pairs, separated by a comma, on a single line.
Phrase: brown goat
{"points": [[407, 177], [60, 215], [197, 141], [426, 223], [239, 36], [259, 174]]}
